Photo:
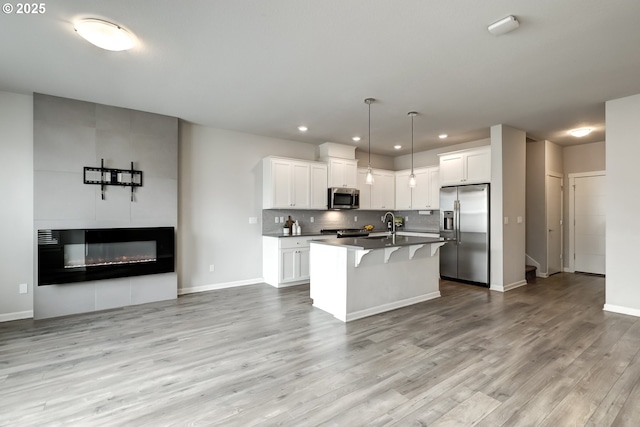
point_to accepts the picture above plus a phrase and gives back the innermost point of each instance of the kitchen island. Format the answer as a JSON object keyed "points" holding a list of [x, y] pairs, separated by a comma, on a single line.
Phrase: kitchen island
{"points": [[356, 277]]}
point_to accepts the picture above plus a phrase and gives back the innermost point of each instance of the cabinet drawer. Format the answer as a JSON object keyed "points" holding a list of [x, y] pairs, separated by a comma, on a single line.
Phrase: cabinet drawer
{"points": [[294, 242]]}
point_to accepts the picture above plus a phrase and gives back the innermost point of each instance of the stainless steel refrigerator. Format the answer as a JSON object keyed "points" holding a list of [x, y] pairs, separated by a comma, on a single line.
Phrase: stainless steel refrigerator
{"points": [[464, 223]]}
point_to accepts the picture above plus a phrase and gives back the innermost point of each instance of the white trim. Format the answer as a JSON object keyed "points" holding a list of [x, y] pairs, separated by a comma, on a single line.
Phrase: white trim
{"points": [[8, 317], [215, 286], [622, 310], [572, 212], [391, 306], [568, 270], [509, 287]]}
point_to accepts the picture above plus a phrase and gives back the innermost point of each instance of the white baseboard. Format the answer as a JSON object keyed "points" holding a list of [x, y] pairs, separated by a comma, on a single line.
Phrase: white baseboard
{"points": [[543, 275], [391, 306], [568, 270], [215, 286], [622, 310], [8, 317], [509, 287]]}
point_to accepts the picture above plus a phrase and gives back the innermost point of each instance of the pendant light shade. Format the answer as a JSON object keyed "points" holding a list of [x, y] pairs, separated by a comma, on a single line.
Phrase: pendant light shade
{"points": [[412, 177], [369, 179]]}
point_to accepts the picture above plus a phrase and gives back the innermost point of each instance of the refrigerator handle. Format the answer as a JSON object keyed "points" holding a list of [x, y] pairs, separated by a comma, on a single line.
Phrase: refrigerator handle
{"points": [[456, 215]]}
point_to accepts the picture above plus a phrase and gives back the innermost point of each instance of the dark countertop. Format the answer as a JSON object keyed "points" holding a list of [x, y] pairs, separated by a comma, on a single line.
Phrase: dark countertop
{"points": [[317, 233], [377, 242]]}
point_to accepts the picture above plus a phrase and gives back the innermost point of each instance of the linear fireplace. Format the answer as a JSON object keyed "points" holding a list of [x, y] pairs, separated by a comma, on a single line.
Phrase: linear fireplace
{"points": [[68, 256]]}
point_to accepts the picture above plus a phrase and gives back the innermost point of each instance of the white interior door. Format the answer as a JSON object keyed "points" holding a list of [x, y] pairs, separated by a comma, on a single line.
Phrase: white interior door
{"points": [[589, 224], [554, 224]]}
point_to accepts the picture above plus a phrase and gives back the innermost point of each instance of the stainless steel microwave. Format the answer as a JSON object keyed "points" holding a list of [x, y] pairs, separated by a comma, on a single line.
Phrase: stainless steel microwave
{"points": [[343, 198]]}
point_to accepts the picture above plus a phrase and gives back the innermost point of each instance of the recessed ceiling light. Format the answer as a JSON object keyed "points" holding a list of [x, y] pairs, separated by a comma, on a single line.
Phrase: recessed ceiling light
{"points": [[104, 34], [397, 147], [580, 132], [443, 136], [356, 138], [504, 25], [303, 128]]}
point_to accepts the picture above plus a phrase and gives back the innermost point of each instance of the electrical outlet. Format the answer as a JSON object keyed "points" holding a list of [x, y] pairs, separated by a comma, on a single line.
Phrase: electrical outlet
{"points": [[23, 288], [253, 220], [281, 220], [406, 219], [506, 220], [381, 219], [519, 220], [211, 268], [355, 218], [277, 222], [311, 219]]}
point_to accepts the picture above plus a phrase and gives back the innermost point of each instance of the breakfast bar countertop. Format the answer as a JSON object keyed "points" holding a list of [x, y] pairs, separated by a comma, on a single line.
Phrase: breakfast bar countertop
{"points": [[377, 242]]}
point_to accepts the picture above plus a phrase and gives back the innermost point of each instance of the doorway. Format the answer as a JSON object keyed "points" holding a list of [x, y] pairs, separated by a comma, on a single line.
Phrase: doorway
{"points": [[587, 222], [554, 223]]}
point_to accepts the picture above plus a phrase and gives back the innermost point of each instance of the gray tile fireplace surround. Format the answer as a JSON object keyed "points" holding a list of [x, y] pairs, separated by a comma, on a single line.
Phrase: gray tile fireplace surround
{"points": [[346, 219], [69, 135]]}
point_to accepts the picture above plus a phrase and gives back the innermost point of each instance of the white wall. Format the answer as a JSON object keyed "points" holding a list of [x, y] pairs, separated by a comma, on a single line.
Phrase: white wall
{"points": [[16, 213], [508, 183], [623, 205], [220, 189], [536, 224]]}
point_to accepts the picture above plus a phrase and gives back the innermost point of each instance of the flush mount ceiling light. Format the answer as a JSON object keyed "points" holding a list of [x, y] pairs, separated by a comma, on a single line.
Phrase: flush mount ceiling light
{"points": [[443, 136], [356, 138], [369, 179], [104, 34], [303, 128], [397, 146], [504, 25], [579, 133]]}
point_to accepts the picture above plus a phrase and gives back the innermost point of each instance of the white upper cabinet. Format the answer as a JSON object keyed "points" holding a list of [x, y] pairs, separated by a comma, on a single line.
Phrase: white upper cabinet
{"points": [[365, 189], [342, 172], [383, 189], [403, 191], [293, 184], [425, 195], [381, 194], [319, 187], [466, 167]]}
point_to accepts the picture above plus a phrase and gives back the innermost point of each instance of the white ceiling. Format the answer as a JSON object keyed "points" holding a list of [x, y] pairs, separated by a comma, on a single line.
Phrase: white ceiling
{"points": [[265, 67]]}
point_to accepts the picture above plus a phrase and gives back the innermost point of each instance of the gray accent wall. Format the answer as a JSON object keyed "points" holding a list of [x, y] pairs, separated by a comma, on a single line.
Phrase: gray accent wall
{"points": [[70, 134], [16, 207]]}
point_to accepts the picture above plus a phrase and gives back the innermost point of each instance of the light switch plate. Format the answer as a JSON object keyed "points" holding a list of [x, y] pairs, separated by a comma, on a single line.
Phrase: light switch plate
{"points": [[23, 288]]}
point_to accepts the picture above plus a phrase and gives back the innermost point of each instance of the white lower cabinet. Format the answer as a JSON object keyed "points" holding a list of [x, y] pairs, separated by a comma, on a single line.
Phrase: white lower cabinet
{"points": [[294, 265], [285, 260]]}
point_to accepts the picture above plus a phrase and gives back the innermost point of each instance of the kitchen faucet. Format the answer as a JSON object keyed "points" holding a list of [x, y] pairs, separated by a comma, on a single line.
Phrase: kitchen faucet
{"points": [[393, 222]]}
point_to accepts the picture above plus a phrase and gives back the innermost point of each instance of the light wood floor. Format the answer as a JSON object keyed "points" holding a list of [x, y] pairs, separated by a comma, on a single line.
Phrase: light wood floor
{"points": [[545, 354]]}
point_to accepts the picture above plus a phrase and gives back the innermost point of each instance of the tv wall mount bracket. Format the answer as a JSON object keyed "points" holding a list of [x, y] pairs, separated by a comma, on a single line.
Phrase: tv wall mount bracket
{"points": [[108, 176]]}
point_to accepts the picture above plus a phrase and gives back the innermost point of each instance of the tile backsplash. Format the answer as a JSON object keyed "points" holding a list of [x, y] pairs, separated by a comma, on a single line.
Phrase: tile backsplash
{"points": [[346, 219]]}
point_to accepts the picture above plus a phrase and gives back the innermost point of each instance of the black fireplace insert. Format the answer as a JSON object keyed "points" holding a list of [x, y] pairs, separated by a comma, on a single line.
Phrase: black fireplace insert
{"points": [[81, 255]]}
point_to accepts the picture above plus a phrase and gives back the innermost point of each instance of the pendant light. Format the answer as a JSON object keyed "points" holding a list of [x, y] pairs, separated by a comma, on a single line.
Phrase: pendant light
{"points": [[369, 179], [412, 177]]}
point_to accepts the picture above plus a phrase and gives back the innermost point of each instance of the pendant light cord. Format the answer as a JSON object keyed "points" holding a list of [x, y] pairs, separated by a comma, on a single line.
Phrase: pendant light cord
{"points": [[412, 142], [370, 132]]}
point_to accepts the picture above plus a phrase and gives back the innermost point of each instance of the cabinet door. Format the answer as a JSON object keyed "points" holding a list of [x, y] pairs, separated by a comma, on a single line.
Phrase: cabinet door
{"points": [[343, 173], [403, 191], [303, 264], [383, 190], [452, 169], [288, 265], [478, 167], [281, 183], [300, 185], [365, 190], [420, 195], [319, 186], [434, 188]]}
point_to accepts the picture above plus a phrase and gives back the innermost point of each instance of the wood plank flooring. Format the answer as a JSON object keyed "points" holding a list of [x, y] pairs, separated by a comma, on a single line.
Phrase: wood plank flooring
{"points": [[541, 355]]}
